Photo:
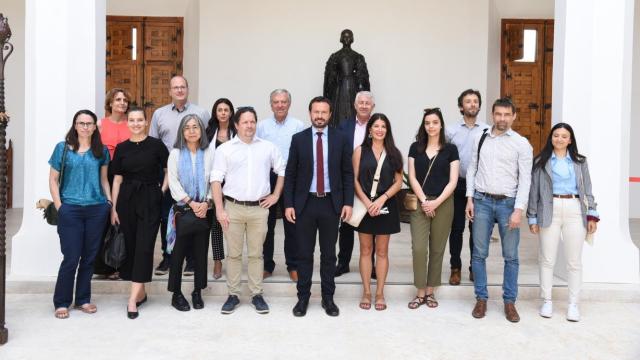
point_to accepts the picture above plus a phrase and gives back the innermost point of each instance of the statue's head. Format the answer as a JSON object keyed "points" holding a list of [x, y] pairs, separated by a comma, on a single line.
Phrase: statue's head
{"points": [[346, 37], [5, 32]]}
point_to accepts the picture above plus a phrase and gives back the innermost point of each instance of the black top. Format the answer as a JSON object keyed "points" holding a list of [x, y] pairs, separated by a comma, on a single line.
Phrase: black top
{"points": [[368, 165], [439, 176], [140, 161]]}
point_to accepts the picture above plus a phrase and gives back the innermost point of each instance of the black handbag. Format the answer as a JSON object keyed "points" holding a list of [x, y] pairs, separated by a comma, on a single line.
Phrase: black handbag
{"points": [[114, 247], [50, 213]]}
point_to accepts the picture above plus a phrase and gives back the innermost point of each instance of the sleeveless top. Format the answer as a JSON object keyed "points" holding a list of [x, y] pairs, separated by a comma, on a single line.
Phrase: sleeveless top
{"points": [[368, 165]]}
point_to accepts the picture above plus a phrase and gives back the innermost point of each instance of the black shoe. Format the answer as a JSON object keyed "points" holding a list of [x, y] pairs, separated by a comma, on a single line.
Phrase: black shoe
{"points": [[188, 270], [131, 314], [196, 299], [144, 300], [163, 267], [301, 308], [260, 305], [341, 269], [230, 305], [179, 302], [330, 307]]}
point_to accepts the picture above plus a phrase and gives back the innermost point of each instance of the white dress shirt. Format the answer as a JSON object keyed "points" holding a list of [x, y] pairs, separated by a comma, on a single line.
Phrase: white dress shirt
{"points": [[245, 168], [177, 191], [359, 133], [325, 159]]}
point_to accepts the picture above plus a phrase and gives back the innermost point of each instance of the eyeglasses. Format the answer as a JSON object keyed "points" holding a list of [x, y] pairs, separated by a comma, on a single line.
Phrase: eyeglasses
{"points": [[86, 125], [240, 108], [431, 110], [178, 88]]}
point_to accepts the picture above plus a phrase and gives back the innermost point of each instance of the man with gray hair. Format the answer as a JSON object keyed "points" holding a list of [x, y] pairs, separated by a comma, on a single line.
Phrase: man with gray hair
{"points": [[355, 129], [164, 126], [279, 129]]}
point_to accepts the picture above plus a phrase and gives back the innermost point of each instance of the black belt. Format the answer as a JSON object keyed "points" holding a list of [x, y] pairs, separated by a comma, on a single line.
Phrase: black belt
{"points": [[318, 195], [567, 196], [243, 203], [493, 196]]}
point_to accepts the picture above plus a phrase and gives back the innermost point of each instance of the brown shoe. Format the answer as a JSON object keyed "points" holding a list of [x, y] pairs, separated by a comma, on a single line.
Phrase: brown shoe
{"points": [[293, 275], [454, 279], [480, 309], [511, 313], [266, 274]]}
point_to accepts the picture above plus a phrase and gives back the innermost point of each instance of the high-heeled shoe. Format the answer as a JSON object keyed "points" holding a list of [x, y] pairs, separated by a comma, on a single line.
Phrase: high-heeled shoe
{"points": [[132, 314], [144, 300]]}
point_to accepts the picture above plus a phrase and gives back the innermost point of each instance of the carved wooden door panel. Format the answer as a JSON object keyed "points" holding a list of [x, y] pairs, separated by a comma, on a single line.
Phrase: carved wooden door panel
{"points": [[143, 53], [525, 76]]}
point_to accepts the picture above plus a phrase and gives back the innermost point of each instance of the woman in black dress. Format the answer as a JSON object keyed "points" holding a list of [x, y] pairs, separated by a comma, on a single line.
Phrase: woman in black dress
{"points": [[219, 131], [137, 196], [382, 218]]}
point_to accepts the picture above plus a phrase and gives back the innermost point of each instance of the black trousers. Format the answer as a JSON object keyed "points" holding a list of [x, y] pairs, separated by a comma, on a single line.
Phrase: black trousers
{"points": [[191, 233], [345, 244], [318, 216], [457, 225], [167, 203], [290, 245]]}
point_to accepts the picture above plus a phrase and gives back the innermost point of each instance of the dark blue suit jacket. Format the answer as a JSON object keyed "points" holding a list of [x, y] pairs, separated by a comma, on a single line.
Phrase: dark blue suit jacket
{"points": [[299, 172], [348, 127]]}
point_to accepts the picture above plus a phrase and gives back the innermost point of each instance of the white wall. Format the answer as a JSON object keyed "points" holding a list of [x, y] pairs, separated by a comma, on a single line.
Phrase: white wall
{"points": [[634, 150], [14, 94]]}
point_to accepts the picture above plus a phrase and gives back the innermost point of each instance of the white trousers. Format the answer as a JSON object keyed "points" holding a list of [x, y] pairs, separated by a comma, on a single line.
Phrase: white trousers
{"points": [[566, 224]]}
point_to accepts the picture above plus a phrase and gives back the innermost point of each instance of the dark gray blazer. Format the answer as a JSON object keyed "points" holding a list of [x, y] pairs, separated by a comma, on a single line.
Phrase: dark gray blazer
{"points": [[541, 193]]}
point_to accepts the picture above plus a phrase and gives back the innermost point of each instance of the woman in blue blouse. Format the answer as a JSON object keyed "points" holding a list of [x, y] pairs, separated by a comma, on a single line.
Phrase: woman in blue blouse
{"points": [[561, 203], [83, 201]]}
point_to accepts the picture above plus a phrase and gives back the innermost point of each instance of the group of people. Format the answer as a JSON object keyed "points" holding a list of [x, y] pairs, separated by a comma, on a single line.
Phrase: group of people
{"points": [[201, 179]]}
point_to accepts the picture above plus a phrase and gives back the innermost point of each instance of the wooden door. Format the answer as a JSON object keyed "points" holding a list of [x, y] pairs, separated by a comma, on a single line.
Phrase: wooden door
{"points": [[143, 53], [526, 76]]}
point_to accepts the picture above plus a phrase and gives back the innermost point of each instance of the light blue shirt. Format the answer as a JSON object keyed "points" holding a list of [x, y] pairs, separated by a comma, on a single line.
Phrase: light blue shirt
{"points": [[325, 158], [280, 133], [463, 138], [563, 175]]}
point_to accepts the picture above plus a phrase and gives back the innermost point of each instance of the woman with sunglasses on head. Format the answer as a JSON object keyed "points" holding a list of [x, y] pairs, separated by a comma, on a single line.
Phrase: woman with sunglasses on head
{"points": [[113, 130], [189, 168], [219, 130], [561, 204], [383, 217], [433, 176], [137, 198], [83, 201]]}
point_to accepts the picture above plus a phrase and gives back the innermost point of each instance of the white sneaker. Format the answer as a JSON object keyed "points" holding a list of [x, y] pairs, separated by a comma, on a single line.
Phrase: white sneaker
{"points": [[573, 314], [546, 310]]}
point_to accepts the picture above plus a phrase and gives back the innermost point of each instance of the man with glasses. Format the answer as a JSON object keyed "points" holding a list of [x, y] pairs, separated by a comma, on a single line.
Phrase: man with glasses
{"points": [[164, 126], [462, 136], [279, 129], [244, 164], [498, 181]]}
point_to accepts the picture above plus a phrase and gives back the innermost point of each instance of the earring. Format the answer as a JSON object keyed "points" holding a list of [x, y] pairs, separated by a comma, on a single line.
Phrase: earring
{"points": [[370, 136]]}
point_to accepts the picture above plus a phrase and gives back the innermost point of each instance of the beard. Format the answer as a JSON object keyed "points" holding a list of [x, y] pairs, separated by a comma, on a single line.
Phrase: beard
{"points": [[472, 112]]}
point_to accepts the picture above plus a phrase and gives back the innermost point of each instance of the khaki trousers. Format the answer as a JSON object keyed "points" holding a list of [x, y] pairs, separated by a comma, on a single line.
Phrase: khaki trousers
{"points": [[252, 222], [428, 241]]}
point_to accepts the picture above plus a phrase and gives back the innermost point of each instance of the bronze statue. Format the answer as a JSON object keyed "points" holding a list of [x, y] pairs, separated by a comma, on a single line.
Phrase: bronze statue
{"points": [[344, 76]]}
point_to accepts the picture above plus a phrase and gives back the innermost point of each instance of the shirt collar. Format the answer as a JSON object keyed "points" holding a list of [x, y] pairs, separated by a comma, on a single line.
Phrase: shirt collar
{"points": [[186, 106], [509, 132], [236, 139], [275, 121], [567, 158], [464, 124], [323, 131]]}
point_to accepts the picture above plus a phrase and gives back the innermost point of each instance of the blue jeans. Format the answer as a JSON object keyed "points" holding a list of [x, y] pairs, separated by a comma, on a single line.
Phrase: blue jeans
{"points": [[80, 229], [488, 211]]}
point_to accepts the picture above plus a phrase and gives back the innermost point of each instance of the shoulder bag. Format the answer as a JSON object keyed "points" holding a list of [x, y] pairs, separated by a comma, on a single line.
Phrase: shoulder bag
{"points": [[359, 210], [411, 200]]}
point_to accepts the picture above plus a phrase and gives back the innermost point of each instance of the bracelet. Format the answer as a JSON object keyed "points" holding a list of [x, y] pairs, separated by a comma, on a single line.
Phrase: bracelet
{"points": [[109, 202], [385, 194]]}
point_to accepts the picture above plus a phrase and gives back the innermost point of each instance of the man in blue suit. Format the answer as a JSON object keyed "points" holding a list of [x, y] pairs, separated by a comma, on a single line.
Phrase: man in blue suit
{"points": [[354, 129], [318, 194]]}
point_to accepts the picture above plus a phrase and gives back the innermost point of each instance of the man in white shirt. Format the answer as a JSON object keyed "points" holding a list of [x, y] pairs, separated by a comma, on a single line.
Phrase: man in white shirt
{"points": [[279, 129], [462, 136], [244, 164]]}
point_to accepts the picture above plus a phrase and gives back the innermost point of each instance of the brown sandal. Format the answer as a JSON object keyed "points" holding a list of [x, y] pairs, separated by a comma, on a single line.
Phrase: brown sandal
{"points": [[416, 302], [87, 308], [61, 313], [381, 304], [365, 303], [431, 301]]}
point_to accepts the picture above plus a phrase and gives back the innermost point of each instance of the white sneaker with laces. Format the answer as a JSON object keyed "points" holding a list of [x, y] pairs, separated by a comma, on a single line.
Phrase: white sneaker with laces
{"points": [[546, 310], [573, 314]]}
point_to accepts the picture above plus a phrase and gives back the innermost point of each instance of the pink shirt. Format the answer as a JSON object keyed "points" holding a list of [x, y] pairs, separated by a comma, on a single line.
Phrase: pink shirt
{"points": [[113, 134]]}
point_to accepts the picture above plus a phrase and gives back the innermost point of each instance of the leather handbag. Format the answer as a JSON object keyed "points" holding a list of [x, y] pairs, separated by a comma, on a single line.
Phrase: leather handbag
{"points": [[359, 210], [410, 201]]}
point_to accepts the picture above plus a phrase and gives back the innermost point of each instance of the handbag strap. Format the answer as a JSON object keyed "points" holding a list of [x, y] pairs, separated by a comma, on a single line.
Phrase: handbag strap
{"points": [[376, 176], [64, 156], [428, 170]]}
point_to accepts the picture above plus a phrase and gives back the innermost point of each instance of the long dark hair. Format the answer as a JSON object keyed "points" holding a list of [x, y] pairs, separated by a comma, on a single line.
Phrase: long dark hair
{"points": [[545, 154], [214, 124], [393, 154], [422, 138], [96, 143]]}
